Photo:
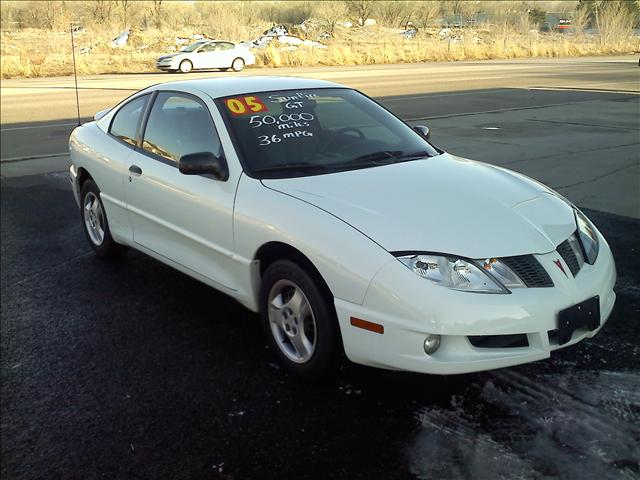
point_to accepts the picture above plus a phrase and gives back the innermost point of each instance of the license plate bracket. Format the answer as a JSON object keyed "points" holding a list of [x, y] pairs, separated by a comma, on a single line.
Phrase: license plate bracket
{"points": [[583, 314]]}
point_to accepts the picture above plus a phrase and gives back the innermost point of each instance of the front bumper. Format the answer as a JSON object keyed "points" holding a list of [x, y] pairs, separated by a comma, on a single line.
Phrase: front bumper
{"points": [[410, 308], [169, 64]]}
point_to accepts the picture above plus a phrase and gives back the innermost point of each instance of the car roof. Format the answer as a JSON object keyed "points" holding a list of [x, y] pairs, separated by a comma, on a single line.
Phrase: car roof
{"points": [[224, 87]]}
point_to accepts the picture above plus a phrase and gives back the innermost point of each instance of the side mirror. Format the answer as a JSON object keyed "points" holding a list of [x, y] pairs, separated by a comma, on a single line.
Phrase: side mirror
{"points": [[423, 131], [203, 163]]}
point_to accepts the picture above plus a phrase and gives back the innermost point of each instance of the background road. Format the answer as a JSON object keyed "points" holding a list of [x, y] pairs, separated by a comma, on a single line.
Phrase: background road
{"points": [[45, 108], [571, 123], [132, 370]]}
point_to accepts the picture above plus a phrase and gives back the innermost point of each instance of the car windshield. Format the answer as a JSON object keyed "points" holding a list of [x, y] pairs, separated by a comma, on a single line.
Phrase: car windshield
{"points": [[295, 133], [192, 47]]}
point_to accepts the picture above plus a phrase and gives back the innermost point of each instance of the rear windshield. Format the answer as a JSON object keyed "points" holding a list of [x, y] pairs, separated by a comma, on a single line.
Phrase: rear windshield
{"points": [[310, 132]]}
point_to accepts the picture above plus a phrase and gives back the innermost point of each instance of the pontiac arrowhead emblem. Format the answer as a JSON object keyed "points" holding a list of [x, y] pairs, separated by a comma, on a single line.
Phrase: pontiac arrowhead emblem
{"points": [[559, 265]]}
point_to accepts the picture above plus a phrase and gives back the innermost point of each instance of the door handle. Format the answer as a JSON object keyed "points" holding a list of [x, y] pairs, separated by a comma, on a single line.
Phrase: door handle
{"points": [[135, 170]]}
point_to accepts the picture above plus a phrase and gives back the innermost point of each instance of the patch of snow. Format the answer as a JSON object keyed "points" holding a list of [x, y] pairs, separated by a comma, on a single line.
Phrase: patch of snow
{"points": [[276, 31], [290, 40], [121, 40], [409, 32], [566, 425], [313, 44]]}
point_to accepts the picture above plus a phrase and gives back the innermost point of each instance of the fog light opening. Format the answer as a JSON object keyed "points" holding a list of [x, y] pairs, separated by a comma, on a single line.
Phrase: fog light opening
{"points": [[431, 343]]}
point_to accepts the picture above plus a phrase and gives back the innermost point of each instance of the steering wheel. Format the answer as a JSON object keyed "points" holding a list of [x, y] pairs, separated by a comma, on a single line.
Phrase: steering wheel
{"points": [[344, 130], [359, 136]]}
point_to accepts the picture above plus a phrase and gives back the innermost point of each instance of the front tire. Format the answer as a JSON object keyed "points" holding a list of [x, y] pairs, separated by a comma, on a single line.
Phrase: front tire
{"points": [[237, 65], [95, 223], [299, 321], [186, 66]]}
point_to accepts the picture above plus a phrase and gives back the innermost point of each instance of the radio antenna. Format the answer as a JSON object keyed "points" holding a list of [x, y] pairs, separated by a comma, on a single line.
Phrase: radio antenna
{"points": [[75, 73]]}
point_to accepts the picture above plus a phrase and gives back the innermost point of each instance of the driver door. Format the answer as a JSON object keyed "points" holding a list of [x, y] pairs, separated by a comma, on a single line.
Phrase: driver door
{"points": [[207, 56], [186, 219]]}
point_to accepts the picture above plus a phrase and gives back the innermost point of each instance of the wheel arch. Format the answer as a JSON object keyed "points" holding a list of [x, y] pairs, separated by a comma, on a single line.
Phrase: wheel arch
{"points": [[271, 252], [83, 176]]}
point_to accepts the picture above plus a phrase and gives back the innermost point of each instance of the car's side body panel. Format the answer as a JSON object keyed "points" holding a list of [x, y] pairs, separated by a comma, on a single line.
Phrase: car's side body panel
{"points": [[104, 158], [187, 218], [345, 258]]}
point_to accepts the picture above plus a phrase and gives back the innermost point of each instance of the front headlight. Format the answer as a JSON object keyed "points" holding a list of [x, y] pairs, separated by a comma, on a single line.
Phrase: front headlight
{"points": [[588, 237], [459, 274]]}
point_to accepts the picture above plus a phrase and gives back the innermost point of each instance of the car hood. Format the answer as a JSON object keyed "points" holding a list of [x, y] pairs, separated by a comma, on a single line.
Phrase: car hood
{"points": [[171, 55], [441, 204]]}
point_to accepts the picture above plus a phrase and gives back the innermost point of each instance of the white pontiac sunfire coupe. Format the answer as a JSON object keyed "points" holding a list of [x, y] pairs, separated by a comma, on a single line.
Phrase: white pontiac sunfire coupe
{"points": [[342, 225]]}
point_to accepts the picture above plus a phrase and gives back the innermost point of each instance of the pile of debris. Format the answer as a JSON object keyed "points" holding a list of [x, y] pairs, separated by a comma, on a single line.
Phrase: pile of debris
{"points": [[280, 34]]}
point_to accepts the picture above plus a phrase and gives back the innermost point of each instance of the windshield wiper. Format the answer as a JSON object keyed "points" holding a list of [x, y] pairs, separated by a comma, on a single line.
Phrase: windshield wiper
{"points": [[413, 155], [374, 157], [291, 166]]}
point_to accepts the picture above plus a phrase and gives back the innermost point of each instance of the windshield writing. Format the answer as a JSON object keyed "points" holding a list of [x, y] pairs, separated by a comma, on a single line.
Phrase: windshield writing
{"points": [[307, 132]]}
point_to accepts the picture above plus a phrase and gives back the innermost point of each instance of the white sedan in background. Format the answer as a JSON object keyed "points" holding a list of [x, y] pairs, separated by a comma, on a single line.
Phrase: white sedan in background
{"points": [[207, 54], [343, 226]]}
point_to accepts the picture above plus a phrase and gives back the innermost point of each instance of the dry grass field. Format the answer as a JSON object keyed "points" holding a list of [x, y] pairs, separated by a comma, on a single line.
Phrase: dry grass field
{"points": [[41, 46]]}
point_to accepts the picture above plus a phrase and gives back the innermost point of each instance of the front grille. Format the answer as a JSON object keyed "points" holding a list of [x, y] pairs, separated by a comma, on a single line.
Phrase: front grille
{"points": [[569, 257], [499, 341], [529, 270]]}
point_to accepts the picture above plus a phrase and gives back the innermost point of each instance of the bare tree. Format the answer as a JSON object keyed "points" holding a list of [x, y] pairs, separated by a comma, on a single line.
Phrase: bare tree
{"points": [[360, 10], [424, 12], [580, 18], [156, 11], [615, 22], [124, 6], [393, 13], [331, 14], [101, 10]]}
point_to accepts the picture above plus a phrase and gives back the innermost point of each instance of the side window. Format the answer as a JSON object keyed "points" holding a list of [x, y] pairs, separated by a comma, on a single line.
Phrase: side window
{"points": [[126, 120], [210, 47], [226, 46], [178, 125]]}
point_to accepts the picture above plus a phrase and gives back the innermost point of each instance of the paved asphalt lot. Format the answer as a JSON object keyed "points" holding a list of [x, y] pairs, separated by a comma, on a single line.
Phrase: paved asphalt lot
{"points": [[132, 370]]}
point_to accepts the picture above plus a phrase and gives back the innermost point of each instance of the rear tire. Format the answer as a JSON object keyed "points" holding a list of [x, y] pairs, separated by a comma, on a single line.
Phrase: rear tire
{"points": [[95, 224], [238, 64], [299, 321], [186, 66]]}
